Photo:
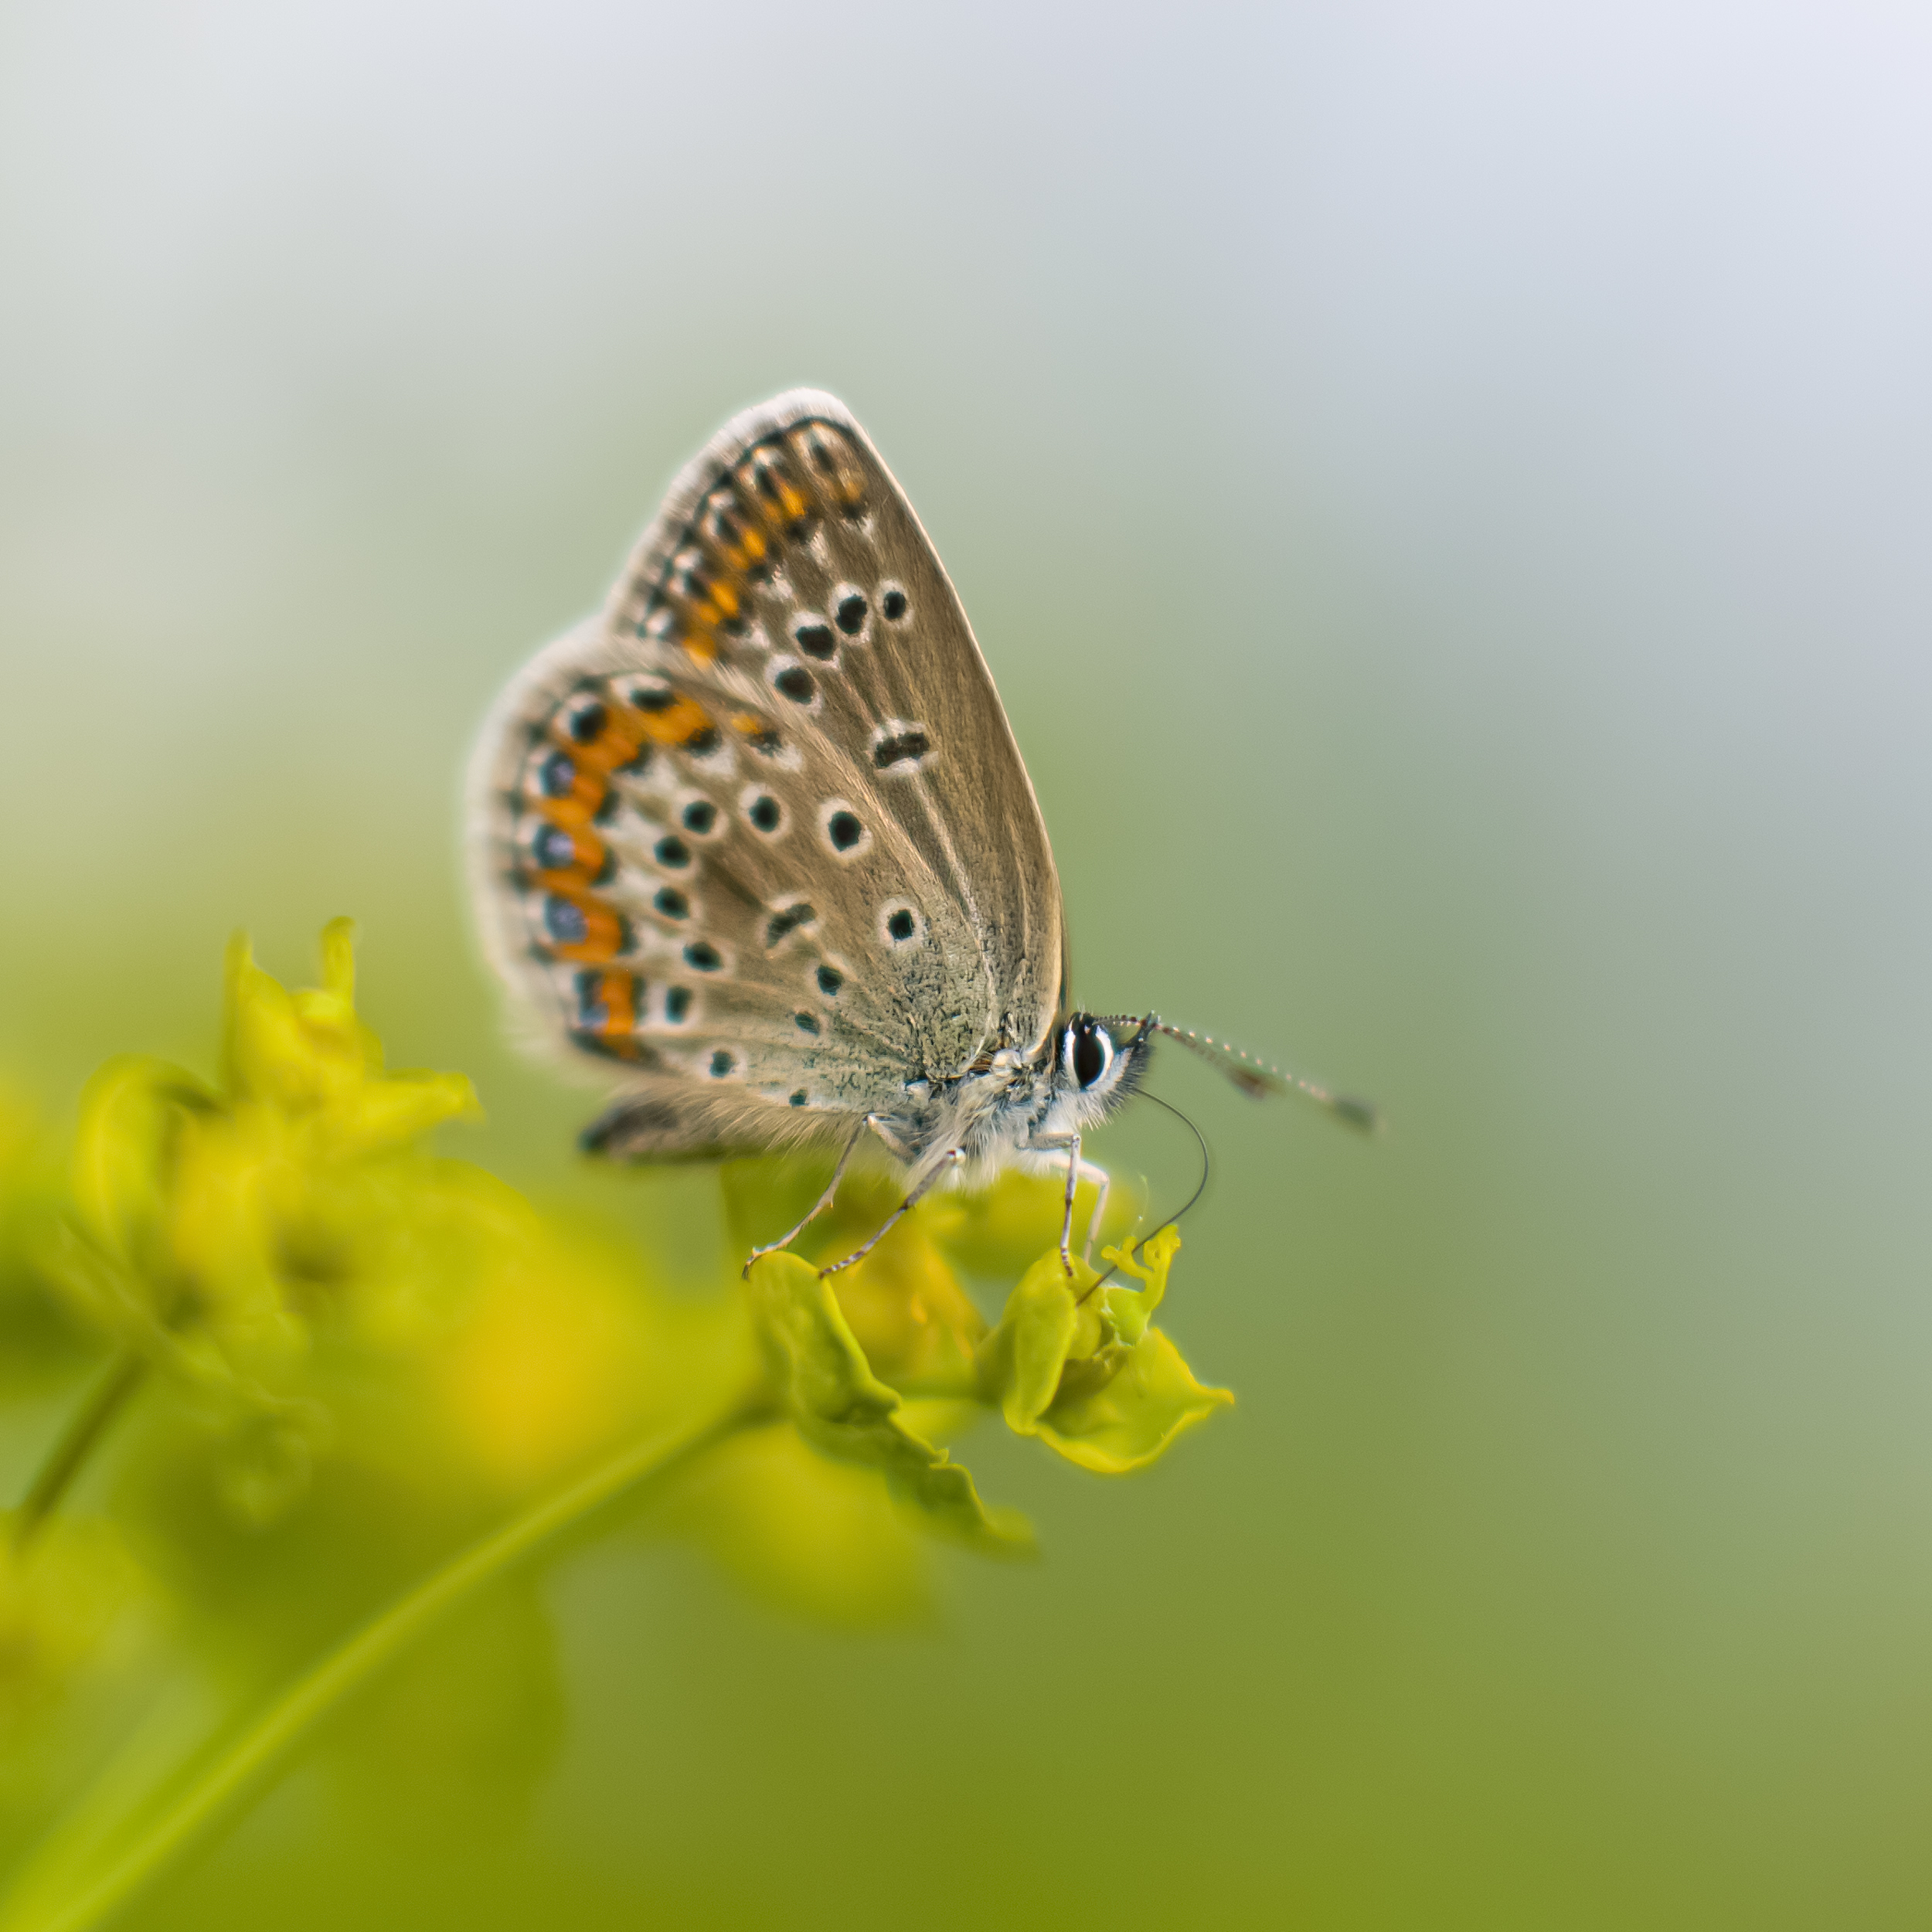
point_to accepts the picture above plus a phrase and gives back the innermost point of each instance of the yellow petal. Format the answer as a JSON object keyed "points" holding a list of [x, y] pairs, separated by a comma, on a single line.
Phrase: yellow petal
{"points": [[1129, 1419], [1076, 1365], [842, 1409], [133, 1113], [1044, 1324]]}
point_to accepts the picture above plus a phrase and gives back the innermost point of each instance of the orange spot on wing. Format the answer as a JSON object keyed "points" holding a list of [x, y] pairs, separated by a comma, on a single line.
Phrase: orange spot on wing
{"points": [[830, 462], [588, 856], [604, 933], [728, 532], [578, 806], [616, 743], [619, 995], [764, 480], [702, 594], [677, 724], [612, 998]]}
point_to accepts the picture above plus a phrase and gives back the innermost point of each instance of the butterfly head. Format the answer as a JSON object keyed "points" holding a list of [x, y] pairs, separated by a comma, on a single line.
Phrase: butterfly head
{"points": [[1099, 1062]]}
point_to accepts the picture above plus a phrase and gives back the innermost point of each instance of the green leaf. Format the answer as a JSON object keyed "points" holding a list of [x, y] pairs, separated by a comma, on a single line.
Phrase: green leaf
{"points": [[842, 1409]]}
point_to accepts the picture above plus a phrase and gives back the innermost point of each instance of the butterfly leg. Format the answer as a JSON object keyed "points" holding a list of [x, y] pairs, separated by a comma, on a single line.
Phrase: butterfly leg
{"points": [[1077, 1171], [824, 1201], [1072, 1183], [916, 1193]]}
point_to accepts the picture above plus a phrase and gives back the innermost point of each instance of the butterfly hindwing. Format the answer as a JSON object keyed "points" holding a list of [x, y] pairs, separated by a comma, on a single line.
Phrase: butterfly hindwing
{"points": [[760, 836]]}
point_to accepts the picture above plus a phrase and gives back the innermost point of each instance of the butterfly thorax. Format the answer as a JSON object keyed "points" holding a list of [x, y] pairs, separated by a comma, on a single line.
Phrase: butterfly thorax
{"points": [[1008, 1105], [986, 1111]]}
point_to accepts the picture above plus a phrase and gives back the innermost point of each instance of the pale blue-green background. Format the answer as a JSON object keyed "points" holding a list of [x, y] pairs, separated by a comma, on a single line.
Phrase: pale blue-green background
{"points": [[1445, 491]]}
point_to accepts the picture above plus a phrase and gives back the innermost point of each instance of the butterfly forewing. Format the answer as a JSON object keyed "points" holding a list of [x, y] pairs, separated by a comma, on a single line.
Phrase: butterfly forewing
{"points": [[761, 835]]}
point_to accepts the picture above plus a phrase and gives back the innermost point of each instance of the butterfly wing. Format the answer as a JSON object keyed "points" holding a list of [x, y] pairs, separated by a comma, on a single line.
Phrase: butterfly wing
{"points": [[759, 839]]}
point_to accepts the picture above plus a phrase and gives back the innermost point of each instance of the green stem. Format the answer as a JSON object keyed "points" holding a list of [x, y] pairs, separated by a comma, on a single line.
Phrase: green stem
{"points": [[276, 1731], [84, 1429]]}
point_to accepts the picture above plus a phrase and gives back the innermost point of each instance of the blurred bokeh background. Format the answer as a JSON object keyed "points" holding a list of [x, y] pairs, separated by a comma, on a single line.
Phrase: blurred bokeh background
{"points": [[1444, 489]]}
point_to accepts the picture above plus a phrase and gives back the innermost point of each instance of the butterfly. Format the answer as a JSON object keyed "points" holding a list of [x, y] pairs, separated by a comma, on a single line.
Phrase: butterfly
{"points": [[759, 839]]}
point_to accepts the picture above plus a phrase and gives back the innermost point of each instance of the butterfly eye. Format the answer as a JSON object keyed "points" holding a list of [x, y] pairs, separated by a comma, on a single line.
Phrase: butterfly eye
{"points": [[1089, 1053]]}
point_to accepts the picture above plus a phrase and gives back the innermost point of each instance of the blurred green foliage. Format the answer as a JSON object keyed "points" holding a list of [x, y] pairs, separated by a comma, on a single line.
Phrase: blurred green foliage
{"points": [[343, 1378]]}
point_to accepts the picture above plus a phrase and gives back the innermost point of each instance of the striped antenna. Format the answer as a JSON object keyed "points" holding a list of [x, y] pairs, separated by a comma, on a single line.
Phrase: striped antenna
{"points": [[1257, 1078]]}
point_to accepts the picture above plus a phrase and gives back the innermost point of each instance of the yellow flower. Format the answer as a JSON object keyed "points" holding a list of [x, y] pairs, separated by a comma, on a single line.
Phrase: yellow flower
{"points": [[1078, 1365], [212, 1229], [1072, 1362], [842, 1409]]}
